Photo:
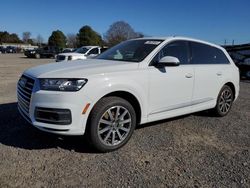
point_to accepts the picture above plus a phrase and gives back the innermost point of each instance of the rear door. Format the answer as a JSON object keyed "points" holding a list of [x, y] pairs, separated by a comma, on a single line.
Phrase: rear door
{"points": [[210, 66]]}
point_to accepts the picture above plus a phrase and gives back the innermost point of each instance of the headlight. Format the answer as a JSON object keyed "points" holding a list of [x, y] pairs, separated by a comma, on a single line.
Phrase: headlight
{"points": [[62, 84]]}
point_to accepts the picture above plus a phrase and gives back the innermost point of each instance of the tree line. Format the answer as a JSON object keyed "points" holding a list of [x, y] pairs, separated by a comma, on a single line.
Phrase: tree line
{"points": [[118, 31]]}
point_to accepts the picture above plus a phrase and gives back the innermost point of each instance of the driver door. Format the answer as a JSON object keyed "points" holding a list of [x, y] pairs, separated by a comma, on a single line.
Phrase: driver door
{"points": [[171, 87]]}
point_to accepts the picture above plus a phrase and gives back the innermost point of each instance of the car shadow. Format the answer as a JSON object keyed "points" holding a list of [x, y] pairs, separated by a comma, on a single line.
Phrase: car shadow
{"points": [[16, 132], [205, 113], [161, 121]]}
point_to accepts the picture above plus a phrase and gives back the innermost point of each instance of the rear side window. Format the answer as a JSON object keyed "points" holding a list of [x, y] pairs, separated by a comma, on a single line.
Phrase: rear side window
{"points": [[205, 54], [220, 57]]}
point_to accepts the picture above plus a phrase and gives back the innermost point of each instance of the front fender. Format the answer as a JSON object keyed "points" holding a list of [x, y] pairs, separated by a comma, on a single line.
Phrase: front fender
{"points": [[101, 87]]}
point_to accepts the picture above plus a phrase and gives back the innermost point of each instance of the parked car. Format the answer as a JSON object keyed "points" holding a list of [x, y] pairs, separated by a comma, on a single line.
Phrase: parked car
{"points": [[67, 50], [244, 68], [81, 53], [11, 49], [45, 52], [136, 82], [31, 53], [2, 50]]}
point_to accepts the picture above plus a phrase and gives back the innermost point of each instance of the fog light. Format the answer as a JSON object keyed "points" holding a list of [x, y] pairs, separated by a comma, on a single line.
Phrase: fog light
{"points": [[53, 116]]}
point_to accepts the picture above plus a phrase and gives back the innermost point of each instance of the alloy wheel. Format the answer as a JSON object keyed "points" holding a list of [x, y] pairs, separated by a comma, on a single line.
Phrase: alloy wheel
{"points": [[225, 101], [114, 125]]}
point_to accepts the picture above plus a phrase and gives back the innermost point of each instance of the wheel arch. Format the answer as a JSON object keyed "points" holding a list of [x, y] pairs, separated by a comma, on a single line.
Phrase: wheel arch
{"points": [[128, 96], [231, 85]]}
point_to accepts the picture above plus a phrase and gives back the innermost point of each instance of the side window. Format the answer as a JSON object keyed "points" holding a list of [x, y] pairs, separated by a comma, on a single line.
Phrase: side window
{"points": [[201, 53], [93, 51], [220, 57], [178, 49], [205, 54]]}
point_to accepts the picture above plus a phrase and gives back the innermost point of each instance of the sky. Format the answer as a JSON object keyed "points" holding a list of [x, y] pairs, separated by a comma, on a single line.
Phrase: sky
{"points": [[216, 21]]}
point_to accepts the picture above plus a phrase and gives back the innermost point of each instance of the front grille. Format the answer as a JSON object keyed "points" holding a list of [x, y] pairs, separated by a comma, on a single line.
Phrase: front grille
{"points": [[24, 92], [60, 57]]}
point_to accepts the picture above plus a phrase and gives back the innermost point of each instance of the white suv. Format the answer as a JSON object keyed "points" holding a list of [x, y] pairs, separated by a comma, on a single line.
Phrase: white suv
{"points": [[135, 82]]}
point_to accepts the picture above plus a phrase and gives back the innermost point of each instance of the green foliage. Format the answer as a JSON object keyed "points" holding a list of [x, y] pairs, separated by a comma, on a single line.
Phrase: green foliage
{"points": [[58, 39], [87, 36], [30, 41], [6, 37]]}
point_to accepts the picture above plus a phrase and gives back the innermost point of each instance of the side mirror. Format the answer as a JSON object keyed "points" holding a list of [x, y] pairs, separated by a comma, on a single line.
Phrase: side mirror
{"points": [[169, 61]]}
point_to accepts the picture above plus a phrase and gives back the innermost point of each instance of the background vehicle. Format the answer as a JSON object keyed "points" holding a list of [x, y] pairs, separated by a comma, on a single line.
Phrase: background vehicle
{"points": [[66, 50], [11, 49], [244, 68], [45, 52], [241, 57], [137, 81], [81, 53], [2, 50]]}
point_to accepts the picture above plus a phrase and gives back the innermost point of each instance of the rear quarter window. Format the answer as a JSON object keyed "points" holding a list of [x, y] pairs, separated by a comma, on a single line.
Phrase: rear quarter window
{"points": [[205, 54]]}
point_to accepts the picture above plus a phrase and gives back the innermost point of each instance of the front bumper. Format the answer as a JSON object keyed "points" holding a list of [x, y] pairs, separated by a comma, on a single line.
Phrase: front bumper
{"points": [[73, 101]]}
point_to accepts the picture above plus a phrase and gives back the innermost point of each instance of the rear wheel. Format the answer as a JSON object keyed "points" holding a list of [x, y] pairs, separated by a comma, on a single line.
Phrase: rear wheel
{"points": [[224, 101], [112, 123]]}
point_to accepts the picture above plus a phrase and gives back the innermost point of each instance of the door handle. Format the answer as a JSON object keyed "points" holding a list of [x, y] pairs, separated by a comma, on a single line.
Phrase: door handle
{"points": [[219, 73], [188, 75]]}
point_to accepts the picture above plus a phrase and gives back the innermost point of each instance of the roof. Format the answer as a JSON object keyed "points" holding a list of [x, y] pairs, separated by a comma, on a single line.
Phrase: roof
{"points": [[90, 47], [180, 38]]}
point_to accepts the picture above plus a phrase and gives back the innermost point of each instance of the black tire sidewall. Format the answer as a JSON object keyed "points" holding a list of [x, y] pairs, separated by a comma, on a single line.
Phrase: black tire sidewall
{"points": [[102, 106]]}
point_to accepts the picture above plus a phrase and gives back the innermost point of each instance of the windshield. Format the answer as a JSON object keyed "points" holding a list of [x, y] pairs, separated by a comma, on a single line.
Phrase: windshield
{"points": [[132, 50], [82, 50]]}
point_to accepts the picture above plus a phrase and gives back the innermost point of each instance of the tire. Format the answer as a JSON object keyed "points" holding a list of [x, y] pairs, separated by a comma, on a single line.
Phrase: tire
{"points": [[107, 129], [37, 56], [224, 101]]}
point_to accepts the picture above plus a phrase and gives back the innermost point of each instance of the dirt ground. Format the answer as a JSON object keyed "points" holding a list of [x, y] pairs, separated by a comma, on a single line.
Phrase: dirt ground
{"points": [[196, 150]]}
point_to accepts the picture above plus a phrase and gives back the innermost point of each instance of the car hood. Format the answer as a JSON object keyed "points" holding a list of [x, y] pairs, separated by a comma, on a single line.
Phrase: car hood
{"points": [[71, 54], [79, 68]]}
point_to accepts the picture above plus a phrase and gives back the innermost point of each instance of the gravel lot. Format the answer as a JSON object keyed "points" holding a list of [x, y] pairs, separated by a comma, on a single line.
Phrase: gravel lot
{"points": [[196, 150]]}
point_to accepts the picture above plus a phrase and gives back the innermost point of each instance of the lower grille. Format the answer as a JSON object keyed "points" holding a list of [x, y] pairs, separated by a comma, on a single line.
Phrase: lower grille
{"points": [[24, 91], [53, 116]]}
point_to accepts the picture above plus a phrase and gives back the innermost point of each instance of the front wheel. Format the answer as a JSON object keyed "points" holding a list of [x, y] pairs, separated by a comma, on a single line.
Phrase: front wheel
{"points": [[112, 123], [37, 56], [224, 101]]}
